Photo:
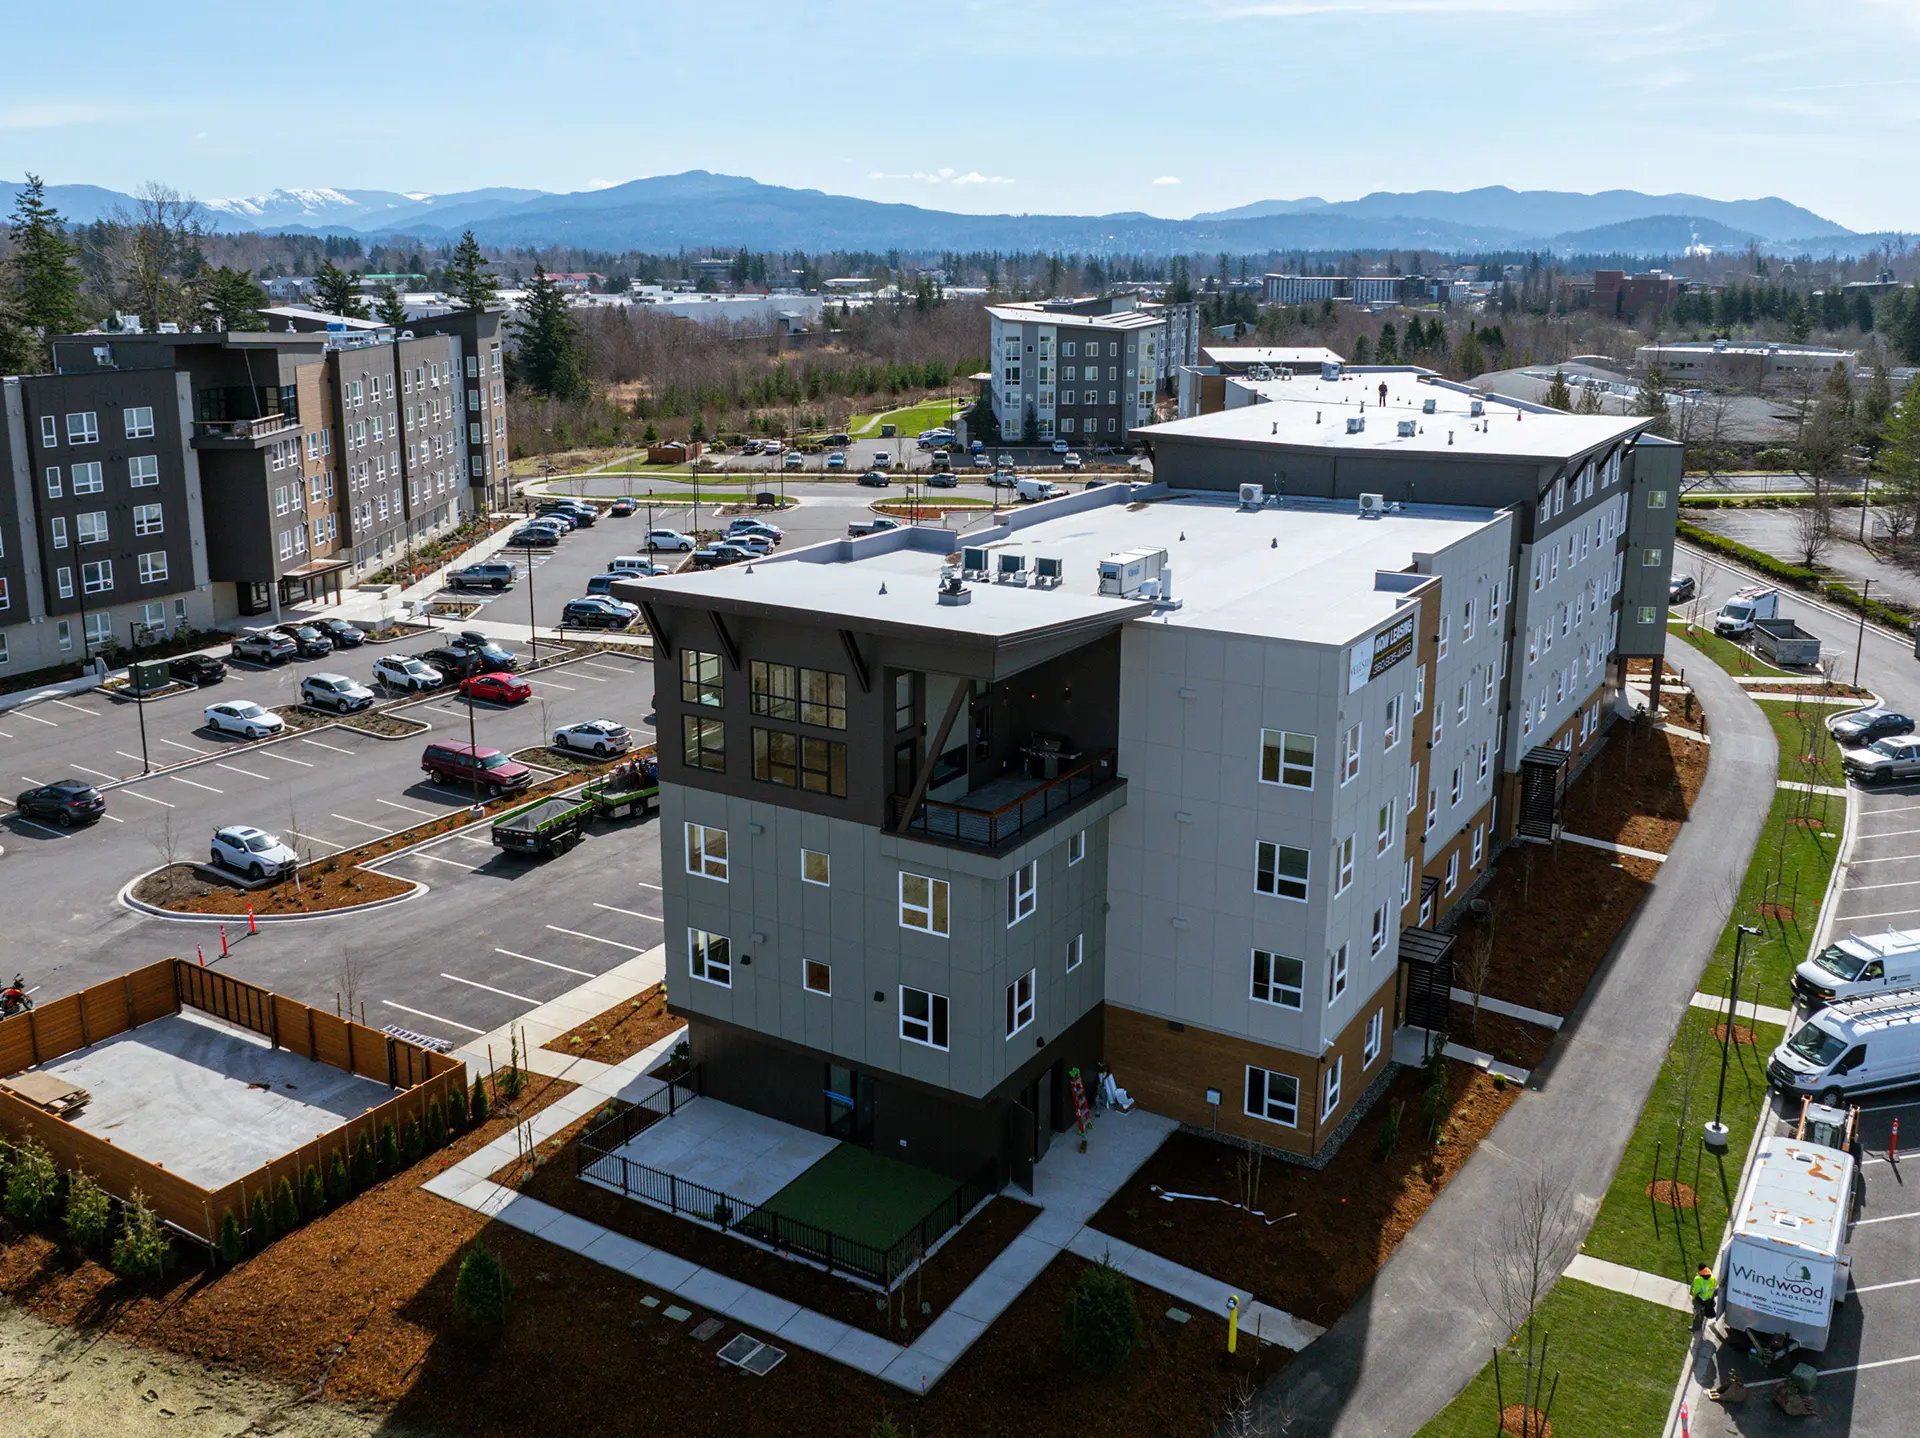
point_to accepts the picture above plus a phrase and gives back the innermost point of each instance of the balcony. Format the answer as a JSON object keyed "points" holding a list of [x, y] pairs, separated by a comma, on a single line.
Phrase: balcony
{"points": [[1006, 809], [243, 433]]}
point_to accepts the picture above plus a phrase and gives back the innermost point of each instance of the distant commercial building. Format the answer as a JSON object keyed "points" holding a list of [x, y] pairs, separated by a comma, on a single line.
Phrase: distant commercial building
{"points": [[1622, 296], [1085, 369], [1353, 289], [1731, 362]]}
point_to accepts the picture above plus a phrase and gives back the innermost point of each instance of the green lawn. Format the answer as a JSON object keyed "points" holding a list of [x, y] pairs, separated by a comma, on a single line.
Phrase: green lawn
{"points": [[1724, 652], [857, 1194], [928, 414], [1617, 1359], [1790, 867], [1808, 754], [1629, 1228]]}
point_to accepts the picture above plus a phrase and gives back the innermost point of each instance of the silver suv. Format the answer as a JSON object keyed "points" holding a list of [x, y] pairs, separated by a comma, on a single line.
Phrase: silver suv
{"points": [[398, 672], [335, 692]]}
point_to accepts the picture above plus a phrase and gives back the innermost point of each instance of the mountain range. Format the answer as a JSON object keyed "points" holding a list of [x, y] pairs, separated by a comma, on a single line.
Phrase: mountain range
{"points": [[699, 208]]}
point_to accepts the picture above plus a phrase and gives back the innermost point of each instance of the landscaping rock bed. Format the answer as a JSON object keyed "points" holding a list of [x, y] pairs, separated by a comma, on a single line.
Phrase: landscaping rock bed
{"points": [[118, 689], [301, 717], [622, 1031], [184, 888], [565, 761], [384, 725]]}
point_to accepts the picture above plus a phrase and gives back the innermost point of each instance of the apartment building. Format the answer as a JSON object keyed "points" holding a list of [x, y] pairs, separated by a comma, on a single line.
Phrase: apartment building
{"points": [[1085, 370], [1292, 289], [1182, 778], [482, 369]]}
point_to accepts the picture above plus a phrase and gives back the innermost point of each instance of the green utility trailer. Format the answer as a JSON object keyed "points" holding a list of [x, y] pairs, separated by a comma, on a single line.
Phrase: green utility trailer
{"points": [[627, 788], [552, 826]]}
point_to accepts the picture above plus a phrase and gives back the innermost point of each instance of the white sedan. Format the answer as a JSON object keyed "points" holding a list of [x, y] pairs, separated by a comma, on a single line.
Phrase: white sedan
{"points": [[243, 717], [595, 736], [253, 852]]}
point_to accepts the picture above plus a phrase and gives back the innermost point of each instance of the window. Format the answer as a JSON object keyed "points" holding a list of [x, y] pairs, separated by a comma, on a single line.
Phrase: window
{"points": [[1370, 1045], [5, 600], [1278, 980], [1466, 622], [816, 868], [143, 471], [1020, 1003], [91, 527], [816, 977], [1479, 842], [1483, 761], [812, 696], [1486, 695], [1656, 499], [1454, 790], [1023, 891], [88, 478], [1280, 871], [1342, 865], [700, 679], [1377, 939], [1433, 804], [1337, 973], [153, 566], [63, 585], [179, 611], [902, 701], [923, 903], [57, 528], [65, 629], [1446, 631], [96, 577], [703, 743], [1330, 1089], [1493, 604], [707, 852], [83, 428], [1644, 614], [53, 481], [818, 766], [1076, 951], [1419, 688], [99, 629], [1272, 1096], [1649, 558], [923, 1017], [1076, 847], [1286, 758], [49, 431], [709, 957], [1460, 705], [1453, 871], [1350, 763], [1383, 838], [1390, 728], [1406, 883]]}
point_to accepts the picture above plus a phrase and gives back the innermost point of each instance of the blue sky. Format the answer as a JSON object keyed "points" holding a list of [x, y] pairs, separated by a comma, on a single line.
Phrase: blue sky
{"points": [[1164, 107]]}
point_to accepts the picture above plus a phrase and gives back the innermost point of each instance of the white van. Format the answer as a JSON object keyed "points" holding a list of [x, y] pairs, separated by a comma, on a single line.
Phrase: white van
{"points": [[1853, 1048], [630, 565], [1034, 489], [1857, 967]]}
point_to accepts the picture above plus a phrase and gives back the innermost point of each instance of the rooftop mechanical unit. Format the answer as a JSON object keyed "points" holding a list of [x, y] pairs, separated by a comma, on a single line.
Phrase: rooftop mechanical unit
{"points": [[1476, 408], [1356, 423], [973, 563], [1372, 506], [1127, 574], [1252, 496], [1046, 571], [1427, 406], [1013, 569], [1406, 428]]}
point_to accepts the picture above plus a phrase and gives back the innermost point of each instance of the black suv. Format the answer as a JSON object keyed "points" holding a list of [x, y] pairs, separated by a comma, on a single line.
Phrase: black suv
{"points": [[455, 661], [343, 634], [197, 669], [309, 642], [582, 515], [65, 801]]}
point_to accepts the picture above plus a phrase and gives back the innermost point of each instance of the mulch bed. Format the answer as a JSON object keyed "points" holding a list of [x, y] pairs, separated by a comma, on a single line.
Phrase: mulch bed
{"points": [[565, 760], [1346, 1218], [387, 726], [1513, 1040], [1741, 1034], [1637, 791], [1789, 691], [940, 1280], [1520, 1421], [1547, 947], [300, 718], [181, 887], [1673, 1195], [622, 1031]]}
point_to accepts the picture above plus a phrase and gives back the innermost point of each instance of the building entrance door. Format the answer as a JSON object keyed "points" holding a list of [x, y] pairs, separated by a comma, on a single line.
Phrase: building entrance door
{"points": [[849, 1095], [1021, 1126]]}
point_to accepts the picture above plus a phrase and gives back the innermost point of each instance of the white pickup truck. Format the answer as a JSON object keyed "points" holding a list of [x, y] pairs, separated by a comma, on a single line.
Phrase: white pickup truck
{"points": [[878, 524]]}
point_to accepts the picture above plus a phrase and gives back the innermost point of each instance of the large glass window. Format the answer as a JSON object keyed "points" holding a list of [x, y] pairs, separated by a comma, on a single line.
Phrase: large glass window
{"points": [[1286, 758], [1278, 979], [1020, 1003], [97, 577], [1280, 870], [923, 1017], [710, 957], [1023, 892], [811, 696], [703, 743], [700, 679], [1273, 1096], [707, 852], [923, 903], [143, 471]]}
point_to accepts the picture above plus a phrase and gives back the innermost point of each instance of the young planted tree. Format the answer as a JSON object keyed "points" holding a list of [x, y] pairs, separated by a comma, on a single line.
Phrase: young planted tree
{"points": [[1651, 401], [143, 1250], [1100, 1322], [89, 1214], [33, 1185], [482, 1291], [1897, 465], [1476, 967], [1517, 1265]]}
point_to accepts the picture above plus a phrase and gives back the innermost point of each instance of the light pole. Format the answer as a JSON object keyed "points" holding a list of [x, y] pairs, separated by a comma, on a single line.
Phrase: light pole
{"points": [[1716, 1131], [139, 704], [473, 739], [1861, 638], [533, 620]]}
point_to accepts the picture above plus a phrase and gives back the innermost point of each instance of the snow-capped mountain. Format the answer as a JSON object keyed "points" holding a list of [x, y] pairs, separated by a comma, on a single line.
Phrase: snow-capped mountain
{"points": [[323, 207]]}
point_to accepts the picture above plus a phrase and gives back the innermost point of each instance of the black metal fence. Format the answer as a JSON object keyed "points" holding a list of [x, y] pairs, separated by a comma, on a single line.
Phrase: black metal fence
{"points": [[990, 828]]}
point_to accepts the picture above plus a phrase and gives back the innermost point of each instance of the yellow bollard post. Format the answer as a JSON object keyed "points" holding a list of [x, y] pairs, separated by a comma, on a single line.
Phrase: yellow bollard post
{"points": [[1233, 1322]]}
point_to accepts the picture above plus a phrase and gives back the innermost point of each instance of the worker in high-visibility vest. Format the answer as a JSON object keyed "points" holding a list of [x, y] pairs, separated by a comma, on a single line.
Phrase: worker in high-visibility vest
{"points": [[1705, 1289]]}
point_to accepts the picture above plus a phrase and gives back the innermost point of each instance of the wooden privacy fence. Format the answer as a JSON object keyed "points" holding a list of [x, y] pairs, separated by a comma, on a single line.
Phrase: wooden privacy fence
{"points": [[76, 1021]]}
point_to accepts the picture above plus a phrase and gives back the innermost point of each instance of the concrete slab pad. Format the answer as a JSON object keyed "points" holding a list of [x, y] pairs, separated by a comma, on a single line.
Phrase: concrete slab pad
{"points": [[711, 1290], [574, 1234], [1003, 1280], [663, 1270], [812, 1331], [207, 1101], [761, 1310], [616, 1250], [863, 1351], [945, 1339], [677, 1313], [735, 1152]]}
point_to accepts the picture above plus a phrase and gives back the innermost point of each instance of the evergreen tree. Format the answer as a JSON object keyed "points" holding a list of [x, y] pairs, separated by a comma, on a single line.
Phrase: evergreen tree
{"points": [[1589, 400], [1558, 395], [336, 293], [1908, 337], [1652, 401], [43, 292], [1469, 357], [227, 299], [1875, 405], [387, 308], [469, 278], [1388, 350], [1897, 465], [549, 359]]}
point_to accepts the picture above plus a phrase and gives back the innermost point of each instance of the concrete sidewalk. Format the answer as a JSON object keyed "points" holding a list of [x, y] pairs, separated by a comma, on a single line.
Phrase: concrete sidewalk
{"points": [[1420, 1333]]}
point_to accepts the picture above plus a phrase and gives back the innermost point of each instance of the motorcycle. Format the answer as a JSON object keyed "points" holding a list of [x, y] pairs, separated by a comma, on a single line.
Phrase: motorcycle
{"points": [[15, 999]]}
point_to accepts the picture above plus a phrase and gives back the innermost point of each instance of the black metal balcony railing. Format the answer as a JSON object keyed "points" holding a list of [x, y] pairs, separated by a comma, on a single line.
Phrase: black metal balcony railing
{"points": [[244, 430], [989, 824]]}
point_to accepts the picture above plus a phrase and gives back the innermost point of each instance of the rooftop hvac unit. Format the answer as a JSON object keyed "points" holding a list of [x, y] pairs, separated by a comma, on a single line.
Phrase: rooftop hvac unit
{"points": [[973, 563], [1406, 428], [1046, 570], [1372, 506], [1426, 406], [1476, 408], [1329, 369], [1125, 575], [1356, 423], [1252, 496], [1013, 569]]}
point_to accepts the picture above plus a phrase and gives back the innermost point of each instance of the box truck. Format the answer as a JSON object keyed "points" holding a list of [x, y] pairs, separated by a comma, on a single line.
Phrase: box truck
{"points": [[1736, 616], [1785, 1269]]}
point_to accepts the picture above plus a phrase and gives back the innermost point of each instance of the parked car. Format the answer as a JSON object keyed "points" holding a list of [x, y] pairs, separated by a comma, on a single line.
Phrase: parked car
{"points": [[197, 669], [754, 446], [489, 574], [1861, 727], [794, 460], [310, 642], [632, 566], [1885, 761], [736, 552], [878, 524], [593, 612], [65, 801], [1680, 588], [977, 447], [335, 692], [263, 646], [343, 634], [747, 525], [454, 661], [1003, 479], [450, 762], [883, 459], [775, 446], [594, 736], [602, 584], [712, 558], [554, 519], [496, 654], [943, 479], [621, 508], [837, 460], [243, 717], [497, 688], [980, 461], [669, 539], [875, 478], [398, 671], [748, 540], [582, 515], [533, 537], [837, 439], [1060, 446], [1006, 461], [253, 852], [1070, 460]]}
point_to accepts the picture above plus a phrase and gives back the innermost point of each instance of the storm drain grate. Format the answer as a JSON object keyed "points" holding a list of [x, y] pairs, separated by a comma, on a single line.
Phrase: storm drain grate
{"points": [[751, 1354]]}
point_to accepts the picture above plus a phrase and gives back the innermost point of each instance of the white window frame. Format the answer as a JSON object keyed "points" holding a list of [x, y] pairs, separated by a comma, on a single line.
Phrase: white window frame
{"points": [[1370, 1042], [87, 431], [90, 527], [1479, 843], [1453, 872], [153, 566], [934, 1030], [939, 898], [1285, 1112], [102, 582], [1377, 938], [1330, 1088], [1265, 986], [702, 961], [1283, 883], [87, 477], [826, 867], [1287, 771], [1390, 725], [1350, 762], [1337, 971], [1383, 837], [1076, 847], [1342, 865], [1020, 1005], [143, 471], [1076, 951], [1023, 892], [702, 862]]}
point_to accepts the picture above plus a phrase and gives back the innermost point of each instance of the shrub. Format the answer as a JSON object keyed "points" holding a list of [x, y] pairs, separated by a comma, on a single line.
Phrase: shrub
{"points": [[456, 1108], [339, 1181], [885, 1427], [142, 1250], [1100, 1323], [477, 1111], [389, 1149], [482, 1290], [313, 1194], [89, 1214], [286, 1207], [260, 1222], [33, 1185], [508, 1082], [412, 1145], [436, 1126], [1389, 1136], [233, 1245], [364, 1169]]}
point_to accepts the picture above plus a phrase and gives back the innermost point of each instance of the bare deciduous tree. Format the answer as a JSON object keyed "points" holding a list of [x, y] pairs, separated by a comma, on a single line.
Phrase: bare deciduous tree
{"points": [[167, 841], [1518, 1263], [1813, 527], [346, 982], [1476, 967], [160, 243]]}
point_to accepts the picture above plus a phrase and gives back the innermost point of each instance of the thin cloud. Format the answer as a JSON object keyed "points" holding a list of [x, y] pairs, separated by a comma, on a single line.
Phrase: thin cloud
{"points": [[58, 115], [1168, 180], [601, 184], [945, 175], [974, 177], [1300, 9]]}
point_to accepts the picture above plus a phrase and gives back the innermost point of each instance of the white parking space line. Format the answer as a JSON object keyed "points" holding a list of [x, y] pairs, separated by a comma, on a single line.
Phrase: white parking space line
{"points": [[449, 709], [149, 798], [435, 859], [1885, 1218], [1830, 1372], [175, 743], [548, 683], [595, 938], [21, 819], [645, 885], [547, 964], [78, 709], [1888, 859], [1876, 1287], [98, 773], [361, 822], [1891, 834], [1896, 884], [594, 677], [334, 747], [269, 754], [125, 755], [407, 808], [236, 769], [610, 668], [1890, 809], [37, 719], [30, 779], [1878, 914], [315, 839], [474, 839], [450, 1023], [504, 993], [116, 818], [631, 913], [192, 783], [4, 734]]}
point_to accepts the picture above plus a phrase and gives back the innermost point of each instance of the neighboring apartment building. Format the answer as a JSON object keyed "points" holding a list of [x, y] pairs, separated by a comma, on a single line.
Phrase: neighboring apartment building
{"points": [[1175, 778], [1085, 370], [1357, 289]]}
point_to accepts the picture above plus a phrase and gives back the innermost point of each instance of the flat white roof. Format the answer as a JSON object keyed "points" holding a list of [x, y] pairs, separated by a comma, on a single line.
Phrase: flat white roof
{"points": [[1269, 355], [1303, 571], [1134, 319], [1308, 410]]}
